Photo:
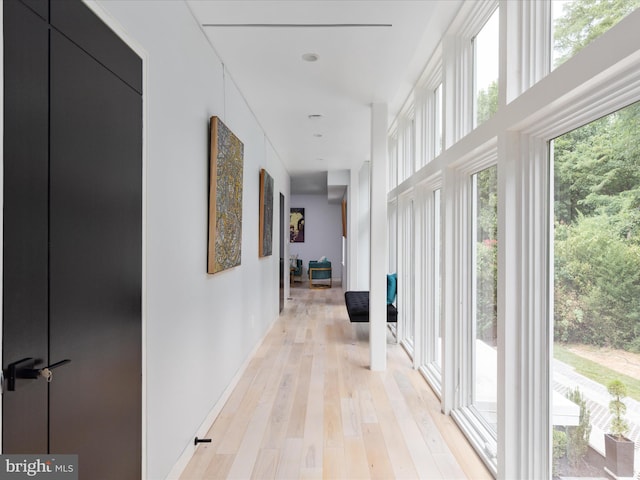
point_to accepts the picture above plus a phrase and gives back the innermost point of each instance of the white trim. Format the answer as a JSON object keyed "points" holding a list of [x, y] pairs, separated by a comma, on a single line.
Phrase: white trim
{"points": [[525, 46], [523, 364]]}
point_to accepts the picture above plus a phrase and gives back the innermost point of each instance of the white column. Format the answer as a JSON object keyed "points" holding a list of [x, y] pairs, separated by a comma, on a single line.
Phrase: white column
{"points": [[378, 238]]}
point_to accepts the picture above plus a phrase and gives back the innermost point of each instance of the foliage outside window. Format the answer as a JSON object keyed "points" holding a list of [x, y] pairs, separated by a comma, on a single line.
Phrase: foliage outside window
{"points": [[596, 273], [486, 71], [485, 230], [578, 22], [597, 232]]}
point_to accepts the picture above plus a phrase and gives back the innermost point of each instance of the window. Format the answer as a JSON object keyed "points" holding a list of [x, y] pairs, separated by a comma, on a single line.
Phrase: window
{"points": [[564, 293], [436, 358], [484, 294], [392, 176], [392, 221], [438, 123], [406, 148], [431, 355], [596, 288], [576, 23], [430, 124], [485, 70], [406, 276]]}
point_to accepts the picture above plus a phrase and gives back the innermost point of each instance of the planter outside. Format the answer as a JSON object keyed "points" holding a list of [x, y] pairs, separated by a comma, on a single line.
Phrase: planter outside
{"points": [[619, 456]]}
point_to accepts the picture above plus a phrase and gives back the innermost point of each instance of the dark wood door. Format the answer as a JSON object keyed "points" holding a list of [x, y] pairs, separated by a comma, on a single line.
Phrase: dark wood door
{"points": [[26, 197], [73, 239], [283, 263]]}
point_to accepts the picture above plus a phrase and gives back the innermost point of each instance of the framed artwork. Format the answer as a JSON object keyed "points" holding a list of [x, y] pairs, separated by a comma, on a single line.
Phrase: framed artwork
{"points": [[296, 225], [225, 198], [266, 214]]}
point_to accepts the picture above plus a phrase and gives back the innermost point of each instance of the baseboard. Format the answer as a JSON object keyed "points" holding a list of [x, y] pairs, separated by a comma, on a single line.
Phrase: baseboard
{"points": [[190, 449]]}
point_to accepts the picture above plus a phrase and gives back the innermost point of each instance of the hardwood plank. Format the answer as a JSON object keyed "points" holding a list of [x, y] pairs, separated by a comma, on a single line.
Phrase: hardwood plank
{"points": [[281, 412], [199, 463], [299, 407], [218, 467], [367, 407], [377, 455], [397, 450], [357, 466], [351, 420], [256, 393], [422, 457], [266, 464], [249, 449], [333, 463], [313, 440], [290, 458]]}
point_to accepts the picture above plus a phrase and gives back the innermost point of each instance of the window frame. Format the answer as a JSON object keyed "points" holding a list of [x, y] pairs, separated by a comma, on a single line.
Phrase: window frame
{"points": [[459, 243], [429, 238], [406, 326]]}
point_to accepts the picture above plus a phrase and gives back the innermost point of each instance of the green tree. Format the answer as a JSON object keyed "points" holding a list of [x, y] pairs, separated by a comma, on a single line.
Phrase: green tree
{"points": [[585, 20], [487, 103], [486, 192], [597, 232], [619, 426], [597, 277]]}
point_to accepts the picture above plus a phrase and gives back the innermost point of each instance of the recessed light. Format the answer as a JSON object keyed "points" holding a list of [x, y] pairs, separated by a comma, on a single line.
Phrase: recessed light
{"points": [[310, 57]]}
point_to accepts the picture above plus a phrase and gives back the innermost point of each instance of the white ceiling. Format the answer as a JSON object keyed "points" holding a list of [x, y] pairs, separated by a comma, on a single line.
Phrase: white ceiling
{"points": [[369, 51]]}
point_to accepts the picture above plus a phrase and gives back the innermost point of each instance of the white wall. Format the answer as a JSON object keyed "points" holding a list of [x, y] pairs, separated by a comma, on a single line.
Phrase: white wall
{"points": [[322, 232], [200, 328]]}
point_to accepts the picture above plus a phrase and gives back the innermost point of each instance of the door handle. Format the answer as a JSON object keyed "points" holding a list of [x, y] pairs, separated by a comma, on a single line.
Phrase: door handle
{"points": [[25, 368]]}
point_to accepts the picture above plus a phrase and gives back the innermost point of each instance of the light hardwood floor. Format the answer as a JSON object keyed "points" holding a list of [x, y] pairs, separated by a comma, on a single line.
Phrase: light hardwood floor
{"points": [[308, 406]]}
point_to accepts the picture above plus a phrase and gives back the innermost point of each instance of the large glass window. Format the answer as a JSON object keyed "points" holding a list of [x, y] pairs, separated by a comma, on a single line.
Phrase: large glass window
{"points": [[431, 361], [437, 282], [392, 230], [392, 174], [484, 295], [438, 121], [406, 148], [486, 70], [596, 292], [576, 23], [406, 282]]}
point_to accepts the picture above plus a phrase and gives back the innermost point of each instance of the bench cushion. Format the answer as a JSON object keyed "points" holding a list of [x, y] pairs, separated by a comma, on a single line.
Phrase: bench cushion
{"points": [[358, 307]]}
